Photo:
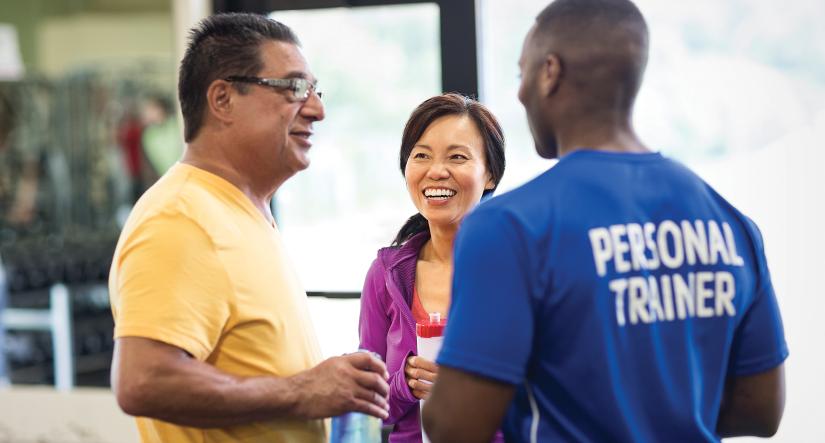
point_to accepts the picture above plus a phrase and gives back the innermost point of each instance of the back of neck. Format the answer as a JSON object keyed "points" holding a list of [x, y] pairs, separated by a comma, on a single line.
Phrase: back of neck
{"points": [[607, 138]]}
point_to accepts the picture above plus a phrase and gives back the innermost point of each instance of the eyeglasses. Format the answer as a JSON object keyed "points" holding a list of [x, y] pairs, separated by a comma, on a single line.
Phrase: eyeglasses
{"points": [[301, 88]]}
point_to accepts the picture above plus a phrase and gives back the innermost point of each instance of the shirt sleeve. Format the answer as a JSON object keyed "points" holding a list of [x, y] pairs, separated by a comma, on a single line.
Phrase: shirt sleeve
{"points": [[374, 322], [759, 342], [490, 325], [373, 327], [171, 287]]}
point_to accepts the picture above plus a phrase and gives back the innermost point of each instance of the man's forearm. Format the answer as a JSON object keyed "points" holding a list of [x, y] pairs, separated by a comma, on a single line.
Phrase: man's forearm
{"points": [[200, 395], [153, 379], [465, 407], [752, 405], [737, 424]]}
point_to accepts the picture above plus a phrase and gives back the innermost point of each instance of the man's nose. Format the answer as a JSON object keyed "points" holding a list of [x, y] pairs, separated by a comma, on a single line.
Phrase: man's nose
{"points": [[313, 108]]}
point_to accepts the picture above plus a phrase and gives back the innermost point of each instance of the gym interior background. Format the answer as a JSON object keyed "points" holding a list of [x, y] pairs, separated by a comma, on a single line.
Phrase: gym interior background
{"points": [[88, 116]]}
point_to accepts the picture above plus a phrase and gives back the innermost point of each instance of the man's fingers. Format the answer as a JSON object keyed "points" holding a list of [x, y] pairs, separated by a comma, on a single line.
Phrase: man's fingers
{"points": [[373, 382], [372, 397], [368, 362], [371, 409]]}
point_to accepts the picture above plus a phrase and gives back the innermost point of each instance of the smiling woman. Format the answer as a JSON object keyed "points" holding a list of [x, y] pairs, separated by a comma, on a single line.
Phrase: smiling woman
{"points": [[447, 138], [452, 153], [445, 172]]}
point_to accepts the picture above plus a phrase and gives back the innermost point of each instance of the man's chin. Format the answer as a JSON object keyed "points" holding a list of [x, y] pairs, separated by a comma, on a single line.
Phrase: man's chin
{"points": [[546, 146], [303, 164], [547, 151], [301, 160]]}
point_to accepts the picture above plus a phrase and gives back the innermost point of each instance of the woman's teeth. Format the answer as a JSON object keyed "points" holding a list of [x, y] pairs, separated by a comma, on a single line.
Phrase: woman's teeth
{"points": [[439, 193]]}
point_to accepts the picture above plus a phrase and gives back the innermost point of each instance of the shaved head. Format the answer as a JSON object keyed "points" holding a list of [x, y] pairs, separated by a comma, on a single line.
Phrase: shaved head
{"points": [[596, 53], [602, 44]]}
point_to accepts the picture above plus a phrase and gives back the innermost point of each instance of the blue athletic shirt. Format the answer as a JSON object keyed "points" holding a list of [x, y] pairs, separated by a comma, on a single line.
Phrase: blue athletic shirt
{"points": [[617, 292]]}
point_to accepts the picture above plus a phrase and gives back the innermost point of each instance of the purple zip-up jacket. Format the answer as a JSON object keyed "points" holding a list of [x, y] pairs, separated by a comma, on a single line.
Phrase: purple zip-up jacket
{"points": [[387, 327]]}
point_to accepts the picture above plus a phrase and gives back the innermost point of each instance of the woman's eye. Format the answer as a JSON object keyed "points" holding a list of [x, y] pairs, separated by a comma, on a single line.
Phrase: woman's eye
{"points": [[419, 155], [459, 157]]}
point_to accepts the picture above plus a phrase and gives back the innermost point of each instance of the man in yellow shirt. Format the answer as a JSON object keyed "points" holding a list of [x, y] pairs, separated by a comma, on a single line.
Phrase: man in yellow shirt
{"points": [[213, 338]]}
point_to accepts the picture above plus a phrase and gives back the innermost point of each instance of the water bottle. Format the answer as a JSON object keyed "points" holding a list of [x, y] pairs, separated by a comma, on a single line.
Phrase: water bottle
{"points": [[356, 427], [428, 337]]}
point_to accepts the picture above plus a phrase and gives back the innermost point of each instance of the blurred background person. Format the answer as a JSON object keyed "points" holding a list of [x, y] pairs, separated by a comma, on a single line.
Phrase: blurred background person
{"points": [[128, 133], [161, 134]]}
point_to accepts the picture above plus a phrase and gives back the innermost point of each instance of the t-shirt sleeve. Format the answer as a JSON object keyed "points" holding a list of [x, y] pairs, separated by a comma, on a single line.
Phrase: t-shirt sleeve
{"points": [[490, 324], [759, 341], [171, 287]]}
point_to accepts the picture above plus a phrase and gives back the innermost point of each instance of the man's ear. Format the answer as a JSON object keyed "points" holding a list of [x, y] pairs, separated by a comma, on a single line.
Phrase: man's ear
{"points": [[219, 100], [550, 74]]}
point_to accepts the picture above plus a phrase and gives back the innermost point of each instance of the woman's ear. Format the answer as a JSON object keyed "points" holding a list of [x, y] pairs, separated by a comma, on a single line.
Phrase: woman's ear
{"points": [[490, 183]]}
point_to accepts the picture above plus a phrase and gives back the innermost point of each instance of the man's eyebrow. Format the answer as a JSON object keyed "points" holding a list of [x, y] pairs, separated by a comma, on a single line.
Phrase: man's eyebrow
{"points": [[301, 74], [296, 74]]}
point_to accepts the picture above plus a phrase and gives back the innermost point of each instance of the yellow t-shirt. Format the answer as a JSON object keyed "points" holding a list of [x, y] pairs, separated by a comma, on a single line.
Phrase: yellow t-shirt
{"points": [[199, 267]]}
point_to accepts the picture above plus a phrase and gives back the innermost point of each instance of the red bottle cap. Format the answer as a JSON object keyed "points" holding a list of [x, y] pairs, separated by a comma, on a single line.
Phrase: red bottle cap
{"points": [[432, 328]]}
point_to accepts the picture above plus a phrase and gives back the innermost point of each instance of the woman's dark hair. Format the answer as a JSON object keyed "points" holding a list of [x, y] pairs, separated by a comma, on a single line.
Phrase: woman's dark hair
{"points": [[428, 112]]}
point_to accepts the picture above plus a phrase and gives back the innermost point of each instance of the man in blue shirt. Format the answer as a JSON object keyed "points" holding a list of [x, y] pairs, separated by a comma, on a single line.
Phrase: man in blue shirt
{"points": [[616, 297]]}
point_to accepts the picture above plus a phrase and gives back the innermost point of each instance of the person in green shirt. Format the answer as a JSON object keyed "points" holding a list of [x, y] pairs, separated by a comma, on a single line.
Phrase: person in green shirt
{"points": [[161, 139]]}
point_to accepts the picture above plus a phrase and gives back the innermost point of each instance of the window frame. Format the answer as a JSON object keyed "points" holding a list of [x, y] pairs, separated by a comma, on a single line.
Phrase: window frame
{"points": [[458, 28], [458, 46]]}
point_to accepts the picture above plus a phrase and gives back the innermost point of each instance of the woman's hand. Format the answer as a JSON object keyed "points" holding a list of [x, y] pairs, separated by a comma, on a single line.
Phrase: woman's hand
{"points": [[420, 374]]}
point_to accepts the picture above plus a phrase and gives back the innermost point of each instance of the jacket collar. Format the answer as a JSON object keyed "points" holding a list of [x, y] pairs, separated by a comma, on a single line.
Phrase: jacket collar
{"points": [[394, 256]]}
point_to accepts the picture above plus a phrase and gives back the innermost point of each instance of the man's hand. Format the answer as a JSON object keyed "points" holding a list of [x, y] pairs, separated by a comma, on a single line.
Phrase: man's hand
{"points": [[420, 374], [353, 382]]}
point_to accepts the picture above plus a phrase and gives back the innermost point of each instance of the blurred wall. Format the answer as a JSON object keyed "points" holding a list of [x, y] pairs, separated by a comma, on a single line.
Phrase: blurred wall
{"points": [[28, 17], [24, 16], [103, 39]]}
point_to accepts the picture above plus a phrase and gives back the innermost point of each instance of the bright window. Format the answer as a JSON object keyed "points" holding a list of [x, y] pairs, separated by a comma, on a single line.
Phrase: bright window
{"points": [[374, 65]]}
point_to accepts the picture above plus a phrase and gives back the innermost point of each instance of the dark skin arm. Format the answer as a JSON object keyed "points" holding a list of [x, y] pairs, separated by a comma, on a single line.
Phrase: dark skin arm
{"points": [[464, 407], [468, 408], [753, 405], [157, 380]]}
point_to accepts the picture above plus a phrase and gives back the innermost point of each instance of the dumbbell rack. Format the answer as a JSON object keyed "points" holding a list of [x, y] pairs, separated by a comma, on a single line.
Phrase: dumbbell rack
{"points": [[60, 335], [57, 319], [57, 313]]}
